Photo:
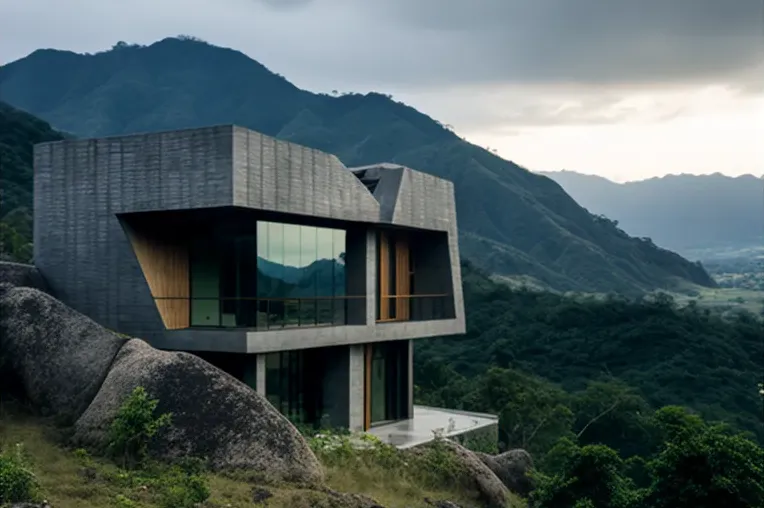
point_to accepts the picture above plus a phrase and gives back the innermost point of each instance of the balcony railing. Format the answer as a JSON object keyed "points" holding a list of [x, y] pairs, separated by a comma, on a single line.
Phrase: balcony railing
{"points": [[279, 313], [416, 307], [268, 313]]}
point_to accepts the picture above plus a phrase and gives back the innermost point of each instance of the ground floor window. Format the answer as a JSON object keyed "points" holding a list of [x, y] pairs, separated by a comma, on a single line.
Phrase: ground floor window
{"points": [[310, 386], [387, 383]]}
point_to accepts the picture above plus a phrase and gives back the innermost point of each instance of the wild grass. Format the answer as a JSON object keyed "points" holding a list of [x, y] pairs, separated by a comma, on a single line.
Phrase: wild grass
{"points": [[69, 478]]}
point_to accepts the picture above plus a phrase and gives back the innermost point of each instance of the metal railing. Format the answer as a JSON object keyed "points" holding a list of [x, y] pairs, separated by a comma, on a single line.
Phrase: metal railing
{"points": [[268, 313], [279, 313], [418, 307]]}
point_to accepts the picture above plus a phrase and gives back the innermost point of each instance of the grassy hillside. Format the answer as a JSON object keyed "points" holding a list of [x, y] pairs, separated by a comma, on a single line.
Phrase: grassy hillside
{"points": [[69, 478], [512, 221], [687, 213]]}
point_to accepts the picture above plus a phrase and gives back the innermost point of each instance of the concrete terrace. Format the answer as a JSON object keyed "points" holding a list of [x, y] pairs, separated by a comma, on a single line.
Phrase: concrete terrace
{"points": [[427, 422]]}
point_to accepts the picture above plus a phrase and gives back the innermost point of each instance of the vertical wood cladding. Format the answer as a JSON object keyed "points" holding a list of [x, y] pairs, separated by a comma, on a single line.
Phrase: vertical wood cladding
{"points": [[402, 280], [165, 265]]}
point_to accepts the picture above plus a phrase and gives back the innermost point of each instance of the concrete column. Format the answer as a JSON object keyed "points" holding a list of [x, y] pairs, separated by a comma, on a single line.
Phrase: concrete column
{"points": [[371, 277], [260, 373], [356, 385]]}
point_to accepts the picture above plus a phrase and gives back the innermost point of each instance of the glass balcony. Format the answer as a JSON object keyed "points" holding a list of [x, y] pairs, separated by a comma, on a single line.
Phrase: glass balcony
{"points": [[266, 313]]}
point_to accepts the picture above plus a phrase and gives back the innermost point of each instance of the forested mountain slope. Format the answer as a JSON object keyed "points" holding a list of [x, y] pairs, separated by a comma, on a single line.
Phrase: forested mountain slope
{"points": [[685, 213], [512, 221], [19, 132]]}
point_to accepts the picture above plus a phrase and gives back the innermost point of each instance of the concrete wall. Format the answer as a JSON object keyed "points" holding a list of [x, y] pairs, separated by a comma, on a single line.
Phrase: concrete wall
{"points": [[79, 188], [275, 175], [356, 388], [84, 254]]}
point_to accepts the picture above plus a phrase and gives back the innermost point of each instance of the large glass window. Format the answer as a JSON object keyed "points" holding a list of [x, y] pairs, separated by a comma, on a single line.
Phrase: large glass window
{"points": [[302, 274], [387, 393], [280, 275]]}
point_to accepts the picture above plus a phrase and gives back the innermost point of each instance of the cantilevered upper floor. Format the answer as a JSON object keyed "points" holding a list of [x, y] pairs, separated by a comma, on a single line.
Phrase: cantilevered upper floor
{"points": [[223, 239]]}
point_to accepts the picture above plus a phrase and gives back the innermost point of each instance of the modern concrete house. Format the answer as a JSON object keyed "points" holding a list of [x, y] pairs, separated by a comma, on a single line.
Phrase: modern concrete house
{"points": [[303, 278]]}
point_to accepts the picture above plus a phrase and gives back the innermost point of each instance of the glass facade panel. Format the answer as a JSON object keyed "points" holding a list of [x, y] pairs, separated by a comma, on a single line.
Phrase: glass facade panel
{"points": [[205, 287], [283, 275], [340, 284], [389, 382]]}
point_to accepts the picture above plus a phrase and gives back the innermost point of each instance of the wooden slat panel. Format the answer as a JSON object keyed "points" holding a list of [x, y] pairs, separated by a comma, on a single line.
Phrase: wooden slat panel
{"points": [[384, 277], [402, 280], [165, 266]]}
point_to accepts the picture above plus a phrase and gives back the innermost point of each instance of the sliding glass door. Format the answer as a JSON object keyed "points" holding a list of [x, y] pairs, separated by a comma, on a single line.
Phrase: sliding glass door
{"points": [[387, 393]]}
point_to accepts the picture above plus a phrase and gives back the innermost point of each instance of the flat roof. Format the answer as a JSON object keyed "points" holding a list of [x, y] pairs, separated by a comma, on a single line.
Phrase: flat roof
{"points": [[426, 422]]}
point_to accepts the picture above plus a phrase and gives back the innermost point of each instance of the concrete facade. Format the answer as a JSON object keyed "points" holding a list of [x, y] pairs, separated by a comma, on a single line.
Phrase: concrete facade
{"points": [[81, 186], [90, 194]]}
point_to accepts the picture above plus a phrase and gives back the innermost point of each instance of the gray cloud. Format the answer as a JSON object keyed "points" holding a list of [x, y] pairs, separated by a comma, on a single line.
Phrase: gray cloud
{"points": [[581, 41], [423, 43], [559, 61]]}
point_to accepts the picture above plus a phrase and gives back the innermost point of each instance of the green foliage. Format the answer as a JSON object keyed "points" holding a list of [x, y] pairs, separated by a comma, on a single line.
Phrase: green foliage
{"points": [[512, 221], [17, 481], [587, 355], [593, 476], [479, 442], [183, 486], [134, 427], [122, 501], [19, 131], [704, 466], [695, 466], [434, 465]]}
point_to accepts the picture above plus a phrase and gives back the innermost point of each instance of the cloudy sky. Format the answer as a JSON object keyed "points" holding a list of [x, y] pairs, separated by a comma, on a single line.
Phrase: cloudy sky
{"points": [[627, 89]]}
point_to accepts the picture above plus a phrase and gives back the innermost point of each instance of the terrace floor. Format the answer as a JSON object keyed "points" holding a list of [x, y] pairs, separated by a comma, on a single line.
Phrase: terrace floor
{"points": [[430, 420]]}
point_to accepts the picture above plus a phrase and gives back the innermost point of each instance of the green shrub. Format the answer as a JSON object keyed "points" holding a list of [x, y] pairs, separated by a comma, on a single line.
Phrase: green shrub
{"points": [[183, 485], [437, 465], [17, 482], [121, 501], [134, 427]]}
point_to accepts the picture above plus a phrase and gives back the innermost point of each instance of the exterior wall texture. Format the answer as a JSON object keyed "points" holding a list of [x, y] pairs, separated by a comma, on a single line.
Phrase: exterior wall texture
{"points": [[81, 186]]}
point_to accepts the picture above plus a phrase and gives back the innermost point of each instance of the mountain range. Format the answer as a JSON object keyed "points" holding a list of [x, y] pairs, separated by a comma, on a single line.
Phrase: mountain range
{"points": [[512, 222], [685, 213]]}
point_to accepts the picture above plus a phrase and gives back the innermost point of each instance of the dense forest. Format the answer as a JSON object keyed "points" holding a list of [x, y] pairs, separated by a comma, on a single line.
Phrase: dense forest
{"points": [[511, 221], [19, 132], [666, 354], [594, 387]]}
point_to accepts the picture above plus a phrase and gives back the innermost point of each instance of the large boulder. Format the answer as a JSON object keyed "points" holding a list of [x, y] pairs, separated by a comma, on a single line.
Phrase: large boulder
{"points": [[213, 415], [474, 474], [57, 355], [18, 274], [512, 468]]}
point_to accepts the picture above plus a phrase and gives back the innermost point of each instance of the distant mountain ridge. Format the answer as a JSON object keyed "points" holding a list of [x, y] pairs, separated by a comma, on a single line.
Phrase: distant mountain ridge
{"points": [[512, 221], [683, 212]]}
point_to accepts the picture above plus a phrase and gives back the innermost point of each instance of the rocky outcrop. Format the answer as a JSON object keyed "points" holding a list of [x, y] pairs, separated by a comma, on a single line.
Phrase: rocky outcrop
{"points": [[17, 274], [213, 415], [512, 468], [346, 500], [70, 367], [59, 356], [474, 474]]}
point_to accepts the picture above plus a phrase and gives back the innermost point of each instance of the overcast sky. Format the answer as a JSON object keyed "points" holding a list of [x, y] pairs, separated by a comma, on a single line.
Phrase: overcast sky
{"points": [[627, 89]]}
